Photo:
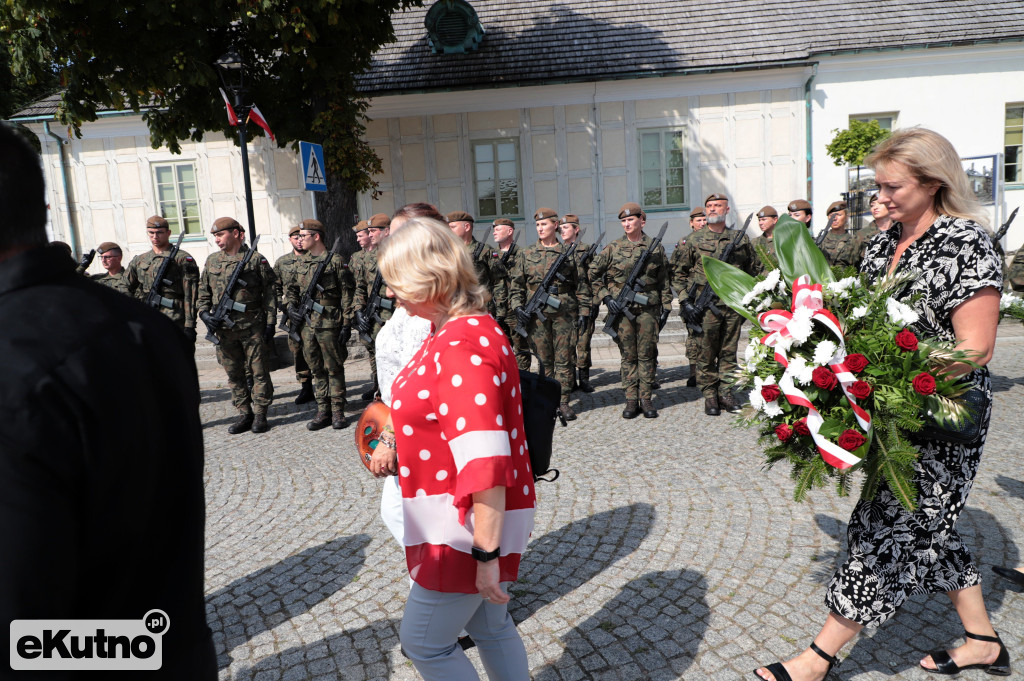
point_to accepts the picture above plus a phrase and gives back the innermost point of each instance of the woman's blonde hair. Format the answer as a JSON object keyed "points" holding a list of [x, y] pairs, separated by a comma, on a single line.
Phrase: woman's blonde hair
{"points": [[424, 262], [931, 159]]}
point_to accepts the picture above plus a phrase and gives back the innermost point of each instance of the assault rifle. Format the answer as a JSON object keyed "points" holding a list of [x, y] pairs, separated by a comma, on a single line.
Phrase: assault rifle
{"points": [[375, 302], [153, 298], [507, 256], [589, 254], [998, 236], [544, 295], [695, 304], [820, 239], [630, 292], [307, 305], [219, 317]]}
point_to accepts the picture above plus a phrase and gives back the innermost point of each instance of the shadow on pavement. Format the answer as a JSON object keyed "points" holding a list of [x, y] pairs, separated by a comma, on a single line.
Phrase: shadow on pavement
{"points": [[651, 630], [264, 599], [1011, 486], [1004, 383]]}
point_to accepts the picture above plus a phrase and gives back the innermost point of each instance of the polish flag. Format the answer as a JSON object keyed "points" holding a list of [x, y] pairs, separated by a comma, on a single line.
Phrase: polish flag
{"points": [[257, 117], [232, 118]]}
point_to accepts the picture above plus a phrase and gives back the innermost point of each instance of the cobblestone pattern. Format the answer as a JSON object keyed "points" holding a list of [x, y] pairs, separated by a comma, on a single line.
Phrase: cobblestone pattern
{"points": [[663, 552]]}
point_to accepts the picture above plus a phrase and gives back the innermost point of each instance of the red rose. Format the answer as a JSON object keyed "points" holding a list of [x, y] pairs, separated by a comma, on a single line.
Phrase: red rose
{"points": [[801, 427], [850, 440], [860, 390], [770, 393], [924, 383], [824, 378], [784, 432], [856, 362], [906, 340]]}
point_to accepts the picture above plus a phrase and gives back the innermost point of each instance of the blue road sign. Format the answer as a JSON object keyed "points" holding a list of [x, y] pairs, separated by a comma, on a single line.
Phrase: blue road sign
{"points": [[313, 166]]}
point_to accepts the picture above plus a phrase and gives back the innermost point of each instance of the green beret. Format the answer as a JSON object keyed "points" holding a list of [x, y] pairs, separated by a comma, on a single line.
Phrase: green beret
{"points": [[697, 213], [460, 216], [631, 209], [504, 221], [107, 246], [798, 204], [835, 206], [767, 212], [157, 222], [570, 219], [545, 214], [221, 224], [380, 221], [360, 226], [716, 197]]}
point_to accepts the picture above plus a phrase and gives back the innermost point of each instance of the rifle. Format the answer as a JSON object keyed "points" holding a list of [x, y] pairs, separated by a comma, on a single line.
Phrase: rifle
{"points": [[153, 298], [226, 304], [589, 254], [820, 239], [511, 250], [307, 306], [375, 302], [543, 295], [695, 305], [630, 292], [998, 236]]}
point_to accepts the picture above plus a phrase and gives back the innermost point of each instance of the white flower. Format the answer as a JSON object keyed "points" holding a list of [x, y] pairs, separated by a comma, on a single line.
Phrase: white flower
{"points": [[800, 370], [824, 352], [1008, 300], [764, 304], [899, 313], [800, 325], [757, 401], [842, 285], [772, 409], [769, 282], [859, 311]]}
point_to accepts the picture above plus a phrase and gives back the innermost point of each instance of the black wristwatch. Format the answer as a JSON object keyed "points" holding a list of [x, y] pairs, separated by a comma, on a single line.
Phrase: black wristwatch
{"points": [[485, 556]]}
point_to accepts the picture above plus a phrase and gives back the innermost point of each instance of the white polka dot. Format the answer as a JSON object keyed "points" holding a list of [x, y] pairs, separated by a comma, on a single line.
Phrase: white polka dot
{"points": [[421, 492], [422, 370], [456, 380], [500, 420], [504, 349], [407, 429], [454, 342], [397, 404], [475, 359], [515, 433], [409, 365], [402, 384], [431, 416], [484, 342], [443, 409], [443, 436], [504, 377], [480, 399], [520, 409], [437, 367], [441, 475], [460, 424], [497, 381], [526, 490], [423, 394], [521, 449], [424, 454], [437, 356], [515, 473], [443, 332], [498, 331], [404, 470], [473, 322], [513, 391]]}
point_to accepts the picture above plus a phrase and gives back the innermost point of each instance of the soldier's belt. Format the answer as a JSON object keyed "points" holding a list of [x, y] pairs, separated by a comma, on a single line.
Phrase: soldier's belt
{"points": [[330, 302]]}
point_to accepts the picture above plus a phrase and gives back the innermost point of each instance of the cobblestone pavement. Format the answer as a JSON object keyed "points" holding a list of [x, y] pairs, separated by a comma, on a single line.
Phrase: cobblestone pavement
{"points": [[663, 552]]}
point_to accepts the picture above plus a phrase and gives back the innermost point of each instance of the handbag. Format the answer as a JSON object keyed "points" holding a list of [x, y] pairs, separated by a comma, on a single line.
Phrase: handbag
{"points": [[540, 395], [975, 402]]}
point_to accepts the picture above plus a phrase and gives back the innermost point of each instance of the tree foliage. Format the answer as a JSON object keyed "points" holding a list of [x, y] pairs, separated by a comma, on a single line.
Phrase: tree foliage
{"points": [[850, 146]]}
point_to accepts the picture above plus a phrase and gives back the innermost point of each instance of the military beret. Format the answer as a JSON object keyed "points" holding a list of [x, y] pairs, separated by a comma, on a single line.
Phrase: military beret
{"points": [[767, 212], [107, 246], [716, 197], [835, 206], [570, 219], [504, 221], [157, 222], [360, 226], [380, 221], [698, 213], [545, 214], [312, 225], [629, 209], [798, 204], [460, 216], [874, 198], [294, 230], [220, 224]]}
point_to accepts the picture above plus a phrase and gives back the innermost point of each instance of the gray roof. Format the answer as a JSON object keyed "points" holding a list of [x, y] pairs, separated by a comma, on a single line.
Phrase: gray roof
{"points": [[538, 41], [44, 107]]}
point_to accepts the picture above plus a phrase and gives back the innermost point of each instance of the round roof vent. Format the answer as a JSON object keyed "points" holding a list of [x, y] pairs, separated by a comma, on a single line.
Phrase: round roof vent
{"points": [[453, 27]]}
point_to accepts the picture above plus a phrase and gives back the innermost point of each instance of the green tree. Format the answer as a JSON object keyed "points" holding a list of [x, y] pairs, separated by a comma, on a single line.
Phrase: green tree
{"points": [[16, 92], [156, 58], [850, 146]]}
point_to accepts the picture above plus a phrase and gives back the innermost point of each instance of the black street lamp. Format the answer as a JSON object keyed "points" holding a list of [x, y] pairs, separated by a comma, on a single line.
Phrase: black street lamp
{"points": [[232, 74]]}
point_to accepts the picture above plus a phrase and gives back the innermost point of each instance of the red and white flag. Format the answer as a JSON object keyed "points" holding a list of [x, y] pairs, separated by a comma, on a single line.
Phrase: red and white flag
{"points": [[232, 118], [257, 117]]}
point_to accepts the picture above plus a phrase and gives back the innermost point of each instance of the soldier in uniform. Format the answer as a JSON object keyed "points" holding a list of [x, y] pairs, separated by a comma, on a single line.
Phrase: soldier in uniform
{"points": [[766, 219], [110, 259], [880, 223], [583, 331], [841, 248], [325, 334], [637, 339], [245, 344], [721, 335], [461, 224], [504, 230], [698, 220], [285, 273], [551, 339], [800, 210], [183, 275], [364, 273], [1016, 274]]}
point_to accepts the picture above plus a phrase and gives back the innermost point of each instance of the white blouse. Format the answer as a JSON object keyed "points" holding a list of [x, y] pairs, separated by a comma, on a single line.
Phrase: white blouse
{"points": [[397, 342]]}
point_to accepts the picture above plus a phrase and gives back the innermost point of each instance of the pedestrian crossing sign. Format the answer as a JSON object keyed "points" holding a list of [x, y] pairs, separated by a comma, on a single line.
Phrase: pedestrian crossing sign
{"points": [[313, 166]]}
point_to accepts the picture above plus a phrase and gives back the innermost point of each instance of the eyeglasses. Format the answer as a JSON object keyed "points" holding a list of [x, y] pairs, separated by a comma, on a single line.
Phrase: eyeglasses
{"points": [[110, 257], [308, 235]]}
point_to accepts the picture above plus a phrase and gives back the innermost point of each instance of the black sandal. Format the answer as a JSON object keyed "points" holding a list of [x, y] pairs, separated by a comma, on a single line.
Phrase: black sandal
{"points": [[944, 664], [779, 672]]}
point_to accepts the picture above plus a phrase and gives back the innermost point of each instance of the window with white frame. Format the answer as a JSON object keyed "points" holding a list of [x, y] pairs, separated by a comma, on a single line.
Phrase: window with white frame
{"points": [[497, 178], [885, 120], [177, 197], [1013, 145], [663, 168]]}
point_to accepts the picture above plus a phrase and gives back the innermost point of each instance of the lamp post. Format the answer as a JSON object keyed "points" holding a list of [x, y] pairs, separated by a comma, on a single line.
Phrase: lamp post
{"points": [[232, 74]]}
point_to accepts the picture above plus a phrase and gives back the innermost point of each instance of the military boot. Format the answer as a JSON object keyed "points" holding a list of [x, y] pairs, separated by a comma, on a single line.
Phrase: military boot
{"points": [[338, 420], [691, 382], [632, 410], [566, 411], [711, 406], [655, 385], [729, 403], [575, 386], [259, 423], [305, 393], [648, 407], [241, 424], [585, 381], [369, 394], [320, 421]]}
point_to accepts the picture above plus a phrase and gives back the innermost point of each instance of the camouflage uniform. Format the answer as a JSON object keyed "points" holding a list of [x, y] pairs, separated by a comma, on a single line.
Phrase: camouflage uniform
{"points": [[285, 273], [484, 266], [552, 339], [364, 271], [509, 322], [864, 235], [692, 342], [637, 339], [841, 249], [183, 290], [766, 243], [118, 282], [719, 341], [580, 354], [1016, 274], [326, 356], [243, 345]]}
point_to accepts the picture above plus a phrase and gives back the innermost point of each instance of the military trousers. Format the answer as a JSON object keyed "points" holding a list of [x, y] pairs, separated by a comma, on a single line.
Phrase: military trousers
{"points": [[581, 345], [372, 351], [326, 358], [638, 342], [302, 373], [552, 341], [242, 349], [717, 350], [520, 345]]}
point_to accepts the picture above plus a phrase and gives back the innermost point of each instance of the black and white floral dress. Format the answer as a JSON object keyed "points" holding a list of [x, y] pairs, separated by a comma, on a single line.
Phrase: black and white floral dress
{"points": [[894, 554]]}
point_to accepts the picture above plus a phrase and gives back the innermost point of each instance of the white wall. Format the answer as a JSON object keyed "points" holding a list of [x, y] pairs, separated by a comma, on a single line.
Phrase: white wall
{"points": [[961, 93]]}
